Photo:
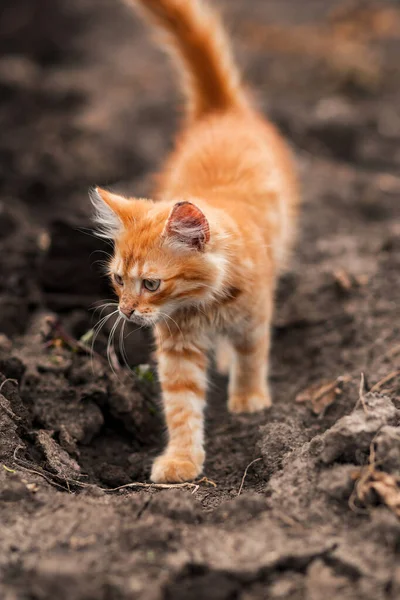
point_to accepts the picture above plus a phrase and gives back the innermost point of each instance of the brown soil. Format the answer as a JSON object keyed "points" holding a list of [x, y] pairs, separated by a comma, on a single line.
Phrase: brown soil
{"points": [[290, 509]]}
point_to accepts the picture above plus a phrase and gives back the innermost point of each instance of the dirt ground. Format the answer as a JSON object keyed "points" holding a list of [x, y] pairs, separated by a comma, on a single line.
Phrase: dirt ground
{"points": [[299, 502]]}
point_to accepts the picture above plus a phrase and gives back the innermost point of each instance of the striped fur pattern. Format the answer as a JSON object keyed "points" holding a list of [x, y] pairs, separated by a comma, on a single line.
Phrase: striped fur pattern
{"points": [[200, 262]]}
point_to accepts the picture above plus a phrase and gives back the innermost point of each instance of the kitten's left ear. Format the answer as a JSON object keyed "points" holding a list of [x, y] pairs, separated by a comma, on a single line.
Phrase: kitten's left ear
{"points": [[187, 226], [111, 212]]}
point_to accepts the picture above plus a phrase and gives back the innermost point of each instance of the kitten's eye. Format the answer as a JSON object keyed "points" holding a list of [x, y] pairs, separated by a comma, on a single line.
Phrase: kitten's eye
{"points": [[118, 279], [151, 284]]}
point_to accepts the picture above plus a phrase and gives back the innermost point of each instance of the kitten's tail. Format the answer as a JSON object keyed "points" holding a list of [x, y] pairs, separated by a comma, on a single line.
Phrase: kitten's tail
{"points": [[197, 38]]}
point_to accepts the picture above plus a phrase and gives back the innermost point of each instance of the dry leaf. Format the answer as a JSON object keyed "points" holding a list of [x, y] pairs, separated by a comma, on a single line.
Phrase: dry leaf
{"points": [[343, 279], [386, 486], [322, 394]]}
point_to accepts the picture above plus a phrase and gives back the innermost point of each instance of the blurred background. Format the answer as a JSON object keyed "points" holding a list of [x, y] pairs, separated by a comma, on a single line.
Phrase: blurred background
{"points": [[87, 98]]}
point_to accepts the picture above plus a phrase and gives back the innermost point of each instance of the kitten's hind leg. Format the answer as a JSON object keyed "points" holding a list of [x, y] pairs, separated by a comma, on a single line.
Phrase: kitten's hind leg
{"points": [[223, 356], [248, 384]]}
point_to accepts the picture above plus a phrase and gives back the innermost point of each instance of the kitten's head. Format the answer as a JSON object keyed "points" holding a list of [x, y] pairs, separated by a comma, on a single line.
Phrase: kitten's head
{"points": [[165, 256]]}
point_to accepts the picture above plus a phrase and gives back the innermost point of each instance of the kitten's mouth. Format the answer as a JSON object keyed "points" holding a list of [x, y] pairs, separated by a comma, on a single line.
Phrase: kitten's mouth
{"points": [[138, 319]]}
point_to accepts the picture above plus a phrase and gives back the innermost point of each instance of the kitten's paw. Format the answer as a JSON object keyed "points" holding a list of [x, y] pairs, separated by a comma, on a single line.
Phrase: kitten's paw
{"points": [[249, 403], [172, 469]]}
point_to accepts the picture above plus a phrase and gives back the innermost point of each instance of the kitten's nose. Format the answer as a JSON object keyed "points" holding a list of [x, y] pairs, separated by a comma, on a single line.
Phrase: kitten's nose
{"points": [[127, 311]]}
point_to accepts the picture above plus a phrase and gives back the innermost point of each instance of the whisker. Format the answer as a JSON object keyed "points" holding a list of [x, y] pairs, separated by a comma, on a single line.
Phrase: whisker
{"points": [[109, 343], [175, 323], [89, 232], [101, 262], [166, 322], [101, 322], [103, 300], [96, 330], [134, 331], [122, 348], [100, 252], [104, 306]]}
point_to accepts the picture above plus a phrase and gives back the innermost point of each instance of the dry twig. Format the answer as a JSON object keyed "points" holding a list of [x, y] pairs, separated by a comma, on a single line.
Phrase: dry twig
{"points": [[245, 474], [385, 379], [50, 478], [361, 394], [8, 381]]}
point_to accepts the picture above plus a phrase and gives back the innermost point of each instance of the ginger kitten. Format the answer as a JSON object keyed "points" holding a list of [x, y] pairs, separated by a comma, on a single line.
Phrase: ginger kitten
{"points": [[200, 264]]}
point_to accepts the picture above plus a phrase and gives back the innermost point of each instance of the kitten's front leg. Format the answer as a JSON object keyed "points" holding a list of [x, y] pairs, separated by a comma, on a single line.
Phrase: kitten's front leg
{"points": [[182, 369]]}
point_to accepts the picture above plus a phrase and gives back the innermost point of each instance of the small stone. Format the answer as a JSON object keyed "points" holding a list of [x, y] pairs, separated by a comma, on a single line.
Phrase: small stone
{"points": [[113, 475], [12, 368], [349, 438], [338, 482]]}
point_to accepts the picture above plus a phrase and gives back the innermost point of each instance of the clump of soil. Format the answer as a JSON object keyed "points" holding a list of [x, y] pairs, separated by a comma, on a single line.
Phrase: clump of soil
{"points": [[299, 502]]}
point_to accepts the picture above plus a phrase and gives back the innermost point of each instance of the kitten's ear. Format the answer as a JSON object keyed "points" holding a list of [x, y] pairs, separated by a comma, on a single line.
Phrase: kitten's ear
{"points": [[187, 226], [111, 212]]}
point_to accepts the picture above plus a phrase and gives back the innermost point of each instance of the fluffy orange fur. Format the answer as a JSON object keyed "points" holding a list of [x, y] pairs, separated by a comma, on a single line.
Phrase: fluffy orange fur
{"points": [[201, 262]]}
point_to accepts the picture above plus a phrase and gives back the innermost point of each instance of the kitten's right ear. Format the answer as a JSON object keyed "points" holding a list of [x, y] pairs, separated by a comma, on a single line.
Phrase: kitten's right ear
{"points": [[111, 212], [187, 226]]}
